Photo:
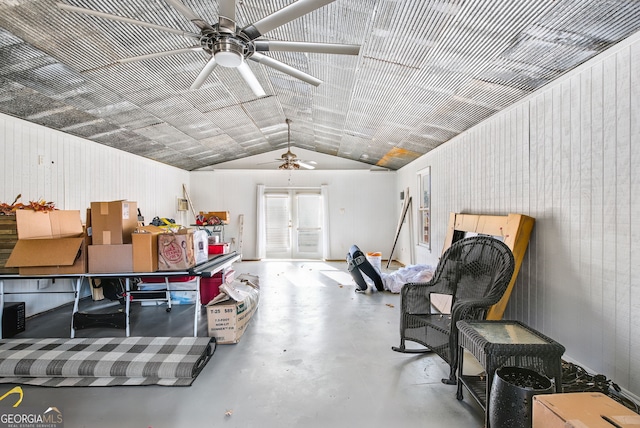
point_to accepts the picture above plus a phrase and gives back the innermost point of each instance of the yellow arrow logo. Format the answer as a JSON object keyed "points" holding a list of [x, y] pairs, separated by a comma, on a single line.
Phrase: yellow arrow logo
{"points": [[15, 390]]}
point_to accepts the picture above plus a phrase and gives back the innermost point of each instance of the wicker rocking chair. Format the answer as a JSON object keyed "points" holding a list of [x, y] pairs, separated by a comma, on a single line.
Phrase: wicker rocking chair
{"points": [[475, 272]]}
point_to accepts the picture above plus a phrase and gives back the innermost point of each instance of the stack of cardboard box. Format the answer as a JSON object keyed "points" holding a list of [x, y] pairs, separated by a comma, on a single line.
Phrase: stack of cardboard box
{"points": [[145, 248], [49, 243], [112, 224], [55, 242]]}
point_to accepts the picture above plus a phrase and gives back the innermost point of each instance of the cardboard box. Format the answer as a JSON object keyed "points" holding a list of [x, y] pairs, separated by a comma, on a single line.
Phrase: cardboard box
{"points": [[229, 313], [49, 243], [110, 258], [145, 248], [581, 410], [176, 250], [224, 216], [113, 222], [8, 239]]}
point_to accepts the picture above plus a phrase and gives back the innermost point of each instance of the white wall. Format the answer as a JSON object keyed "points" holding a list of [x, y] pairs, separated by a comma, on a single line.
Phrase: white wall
{"points": [[363, 205], [72, 173], [569, 156]]}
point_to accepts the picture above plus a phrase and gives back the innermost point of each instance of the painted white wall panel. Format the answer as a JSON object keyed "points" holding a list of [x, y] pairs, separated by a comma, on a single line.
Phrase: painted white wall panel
{"points": [[72, 173], [569, 155], [364, 206]]}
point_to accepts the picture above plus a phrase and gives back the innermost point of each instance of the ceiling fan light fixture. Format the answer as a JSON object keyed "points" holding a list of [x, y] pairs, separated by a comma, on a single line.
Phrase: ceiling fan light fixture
{"points": [[289, 165], [228, 53]]}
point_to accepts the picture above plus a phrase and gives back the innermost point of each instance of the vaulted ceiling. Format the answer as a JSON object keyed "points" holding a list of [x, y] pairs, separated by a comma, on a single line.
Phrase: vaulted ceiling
{"points": [[426, 71]]}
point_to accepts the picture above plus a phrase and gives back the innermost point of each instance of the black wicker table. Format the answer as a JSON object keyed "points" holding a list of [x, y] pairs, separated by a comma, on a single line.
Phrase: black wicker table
{"points": [[505, 343]]}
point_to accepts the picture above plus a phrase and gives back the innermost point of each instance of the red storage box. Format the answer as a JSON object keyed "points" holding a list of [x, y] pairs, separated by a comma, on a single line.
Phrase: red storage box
{"points": [[210, 287], [222, 248]]}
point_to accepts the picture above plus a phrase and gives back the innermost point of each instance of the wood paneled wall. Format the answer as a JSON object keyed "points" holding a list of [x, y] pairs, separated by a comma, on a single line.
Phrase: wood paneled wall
{"points": [[569, 156], [41, 163]]}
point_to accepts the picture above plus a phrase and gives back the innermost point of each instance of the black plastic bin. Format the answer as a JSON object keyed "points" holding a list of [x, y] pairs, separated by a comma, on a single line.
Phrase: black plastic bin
{"points": [[512, 393]]}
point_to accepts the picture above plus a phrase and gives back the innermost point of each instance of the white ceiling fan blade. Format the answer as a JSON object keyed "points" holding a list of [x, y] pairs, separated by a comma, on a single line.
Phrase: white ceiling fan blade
{"points": [[306, 165], [227, 16], [160, 54], [127, 20], [227, 9], [329, 48], [204, 73], [190, 14], [287, 69], [251, 79], [286, 14]]}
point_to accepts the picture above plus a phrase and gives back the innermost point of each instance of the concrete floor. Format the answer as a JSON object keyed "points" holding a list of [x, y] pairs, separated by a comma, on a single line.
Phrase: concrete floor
{"points": [[315, 354]]}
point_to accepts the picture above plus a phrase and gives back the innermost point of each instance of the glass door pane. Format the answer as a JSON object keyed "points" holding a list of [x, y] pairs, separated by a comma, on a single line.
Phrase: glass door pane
{"points": [[307, 236], [278, 225]]}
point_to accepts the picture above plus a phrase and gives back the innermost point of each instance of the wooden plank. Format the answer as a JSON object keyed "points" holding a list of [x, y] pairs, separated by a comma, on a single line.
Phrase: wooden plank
{"points": [[405, 208], [515, 230], [240, 232]]}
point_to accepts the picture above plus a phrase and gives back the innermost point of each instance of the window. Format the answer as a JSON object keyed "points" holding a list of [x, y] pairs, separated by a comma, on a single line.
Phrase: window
{"points": [[424, 209]]}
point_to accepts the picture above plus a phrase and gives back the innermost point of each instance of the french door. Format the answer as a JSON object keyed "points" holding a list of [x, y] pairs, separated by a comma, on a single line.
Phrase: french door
{"points": [[293, 223]]}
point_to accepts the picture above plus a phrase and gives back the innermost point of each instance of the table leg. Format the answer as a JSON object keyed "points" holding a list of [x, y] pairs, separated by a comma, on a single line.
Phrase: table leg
{"points": [[460, 368], [1, 304], [197, 307], [76, 302], [127, 305], [167, 295], [558, 377]]}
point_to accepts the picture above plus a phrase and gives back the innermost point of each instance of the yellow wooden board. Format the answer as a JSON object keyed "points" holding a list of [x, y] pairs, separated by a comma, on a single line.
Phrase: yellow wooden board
{"points": [[515, 231]]}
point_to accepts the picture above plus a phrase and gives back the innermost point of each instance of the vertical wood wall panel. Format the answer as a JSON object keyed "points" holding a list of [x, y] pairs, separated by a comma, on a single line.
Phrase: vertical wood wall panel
{"points": [[609, 217], [73, 173], [597, 214], [622, 238], [634, 226], [569, 156], [585, 238]]}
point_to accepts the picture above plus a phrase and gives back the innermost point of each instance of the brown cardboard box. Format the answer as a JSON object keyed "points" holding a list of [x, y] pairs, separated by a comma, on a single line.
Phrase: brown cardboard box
{"points": [[581, 410], [229, 313], [110, 258], [145, 248], [49, 243], [8, 239], [113, 222], [222, 215], [176, 250]]}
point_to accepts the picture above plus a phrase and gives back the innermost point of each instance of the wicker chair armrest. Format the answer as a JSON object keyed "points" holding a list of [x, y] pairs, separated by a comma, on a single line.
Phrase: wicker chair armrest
{"points": [[471, 309], [414, 295]]}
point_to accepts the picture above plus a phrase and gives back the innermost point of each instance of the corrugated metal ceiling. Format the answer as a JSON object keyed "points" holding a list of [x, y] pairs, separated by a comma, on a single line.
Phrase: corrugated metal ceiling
{"points": [[427, 70]]}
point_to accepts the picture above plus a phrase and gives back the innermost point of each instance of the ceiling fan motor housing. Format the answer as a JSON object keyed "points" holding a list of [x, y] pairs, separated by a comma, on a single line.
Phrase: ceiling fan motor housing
{"points": [[228, 51]]}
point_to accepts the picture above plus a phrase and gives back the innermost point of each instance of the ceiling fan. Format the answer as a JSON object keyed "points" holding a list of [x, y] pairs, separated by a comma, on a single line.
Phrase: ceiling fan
{"points": [[290, 160], [230, 46]]}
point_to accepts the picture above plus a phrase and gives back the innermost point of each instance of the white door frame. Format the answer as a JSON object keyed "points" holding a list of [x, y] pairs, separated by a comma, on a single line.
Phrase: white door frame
{"points": [[261, 214]]}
